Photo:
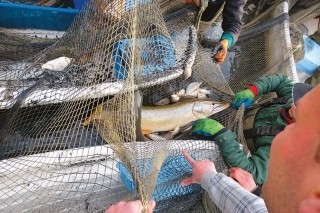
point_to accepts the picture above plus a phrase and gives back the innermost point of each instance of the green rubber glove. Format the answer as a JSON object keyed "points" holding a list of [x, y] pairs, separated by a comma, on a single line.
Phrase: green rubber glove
{"points": [[245, 96], [206, 127]]}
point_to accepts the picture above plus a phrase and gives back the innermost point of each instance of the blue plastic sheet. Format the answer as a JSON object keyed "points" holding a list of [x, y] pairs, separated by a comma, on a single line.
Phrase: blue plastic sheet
{"points": [[167, 185]]}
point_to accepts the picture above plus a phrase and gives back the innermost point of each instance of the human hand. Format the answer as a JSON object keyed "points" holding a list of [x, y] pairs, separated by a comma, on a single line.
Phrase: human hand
{"points": [[207, 127], [220, 51], [199, 168], [243, 177], [245, 96], [196, 2], [130, 207]]}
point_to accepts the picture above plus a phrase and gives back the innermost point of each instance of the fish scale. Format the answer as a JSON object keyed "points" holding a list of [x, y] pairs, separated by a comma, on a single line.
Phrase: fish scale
{"points": [[168, 117]]}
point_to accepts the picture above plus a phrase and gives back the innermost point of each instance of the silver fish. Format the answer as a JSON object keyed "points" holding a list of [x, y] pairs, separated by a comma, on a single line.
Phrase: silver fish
{"points": [[171, 116]]}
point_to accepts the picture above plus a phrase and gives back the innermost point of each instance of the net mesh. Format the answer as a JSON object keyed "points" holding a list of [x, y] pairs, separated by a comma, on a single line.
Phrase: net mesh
{"points": [[71, 137]]}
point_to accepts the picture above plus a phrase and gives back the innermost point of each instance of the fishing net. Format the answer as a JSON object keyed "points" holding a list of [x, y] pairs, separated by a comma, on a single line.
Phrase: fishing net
{"points": [[302, 11], [16, 47], [70, 137]]}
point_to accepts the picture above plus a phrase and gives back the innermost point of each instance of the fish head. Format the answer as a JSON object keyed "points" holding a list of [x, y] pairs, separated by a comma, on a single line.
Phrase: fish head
{"points": [[204, 109]]}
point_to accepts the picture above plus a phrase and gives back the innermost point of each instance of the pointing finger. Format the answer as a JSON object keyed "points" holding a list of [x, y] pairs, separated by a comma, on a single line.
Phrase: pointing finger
{"points": [[188, 157]]}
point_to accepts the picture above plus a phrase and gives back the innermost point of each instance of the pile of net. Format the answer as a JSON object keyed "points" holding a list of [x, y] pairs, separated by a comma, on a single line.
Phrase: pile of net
{"points": [[71, 134]]}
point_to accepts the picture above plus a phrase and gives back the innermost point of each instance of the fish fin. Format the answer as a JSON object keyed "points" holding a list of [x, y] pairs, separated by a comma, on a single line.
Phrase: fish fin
{"points": [[175, 131], [192, 88], [86, 122], [162, 102], [155, 137], [171, 134], [93, 116], [187, 72], [186, 127], [146, 132]]}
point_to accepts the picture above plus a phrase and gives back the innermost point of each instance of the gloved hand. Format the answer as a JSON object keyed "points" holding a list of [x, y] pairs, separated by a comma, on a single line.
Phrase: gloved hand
{"points": [[245, 96], [220, 51], [196, 2], [206, 127]]}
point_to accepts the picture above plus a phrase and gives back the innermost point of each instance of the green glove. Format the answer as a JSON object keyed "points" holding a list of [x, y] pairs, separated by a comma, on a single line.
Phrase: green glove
{"points": [[245, 96], [206, 127]]}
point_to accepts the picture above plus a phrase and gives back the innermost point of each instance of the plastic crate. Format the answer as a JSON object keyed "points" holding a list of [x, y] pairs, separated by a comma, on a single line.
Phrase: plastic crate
{"points": [[79, 3], [20, 16], [157, 48], [311, 60]]}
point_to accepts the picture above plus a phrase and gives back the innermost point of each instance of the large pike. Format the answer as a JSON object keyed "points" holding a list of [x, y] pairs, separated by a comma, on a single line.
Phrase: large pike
{"points": [[167, 117], [171, 116]]}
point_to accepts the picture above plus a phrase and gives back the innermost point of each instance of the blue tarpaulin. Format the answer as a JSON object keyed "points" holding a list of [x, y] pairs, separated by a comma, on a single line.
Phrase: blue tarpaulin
{"points": [[167, 185]]}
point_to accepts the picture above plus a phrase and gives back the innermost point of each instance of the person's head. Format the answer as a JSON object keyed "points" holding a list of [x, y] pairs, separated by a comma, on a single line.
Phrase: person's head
{"points": [[298, 91], [294, 165]]}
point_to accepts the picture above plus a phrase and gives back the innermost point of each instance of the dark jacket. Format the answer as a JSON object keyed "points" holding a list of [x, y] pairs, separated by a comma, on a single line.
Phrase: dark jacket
{"points": [[232, 15], [257, 164]]}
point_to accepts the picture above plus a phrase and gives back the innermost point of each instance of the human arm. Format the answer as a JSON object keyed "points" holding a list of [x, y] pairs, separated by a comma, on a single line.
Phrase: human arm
{"points": [[231, 23], [256, 164], [280, 84], [230, 149], [232, 15], [228, 195], [243, 177], [130, 207], [245, 180]]}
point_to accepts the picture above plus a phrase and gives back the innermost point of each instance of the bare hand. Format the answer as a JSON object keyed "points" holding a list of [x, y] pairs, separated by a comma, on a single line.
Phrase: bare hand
{"points": [[130, 207], [243, 177], [199, 168]]}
